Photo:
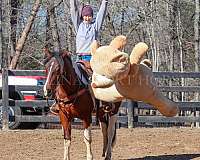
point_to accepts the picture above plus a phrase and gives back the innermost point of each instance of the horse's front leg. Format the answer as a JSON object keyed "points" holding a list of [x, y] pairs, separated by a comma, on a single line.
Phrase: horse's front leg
{"points": [[111, 133], [66, 126], [88, 140]]}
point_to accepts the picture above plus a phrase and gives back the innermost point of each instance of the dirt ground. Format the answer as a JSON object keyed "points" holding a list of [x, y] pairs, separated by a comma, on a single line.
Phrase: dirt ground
{"points": [[132, 144]]}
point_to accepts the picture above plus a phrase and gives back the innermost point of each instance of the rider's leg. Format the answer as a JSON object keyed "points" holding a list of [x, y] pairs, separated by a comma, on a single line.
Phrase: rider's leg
{"points": [[79, 73]]}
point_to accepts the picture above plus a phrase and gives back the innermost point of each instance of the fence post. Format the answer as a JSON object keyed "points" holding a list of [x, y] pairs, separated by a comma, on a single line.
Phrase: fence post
{"points": [[5, 95], [130, 106]]}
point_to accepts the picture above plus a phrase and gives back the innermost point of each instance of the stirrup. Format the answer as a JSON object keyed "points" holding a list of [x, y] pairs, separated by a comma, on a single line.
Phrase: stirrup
{"points": [[54, 109]]}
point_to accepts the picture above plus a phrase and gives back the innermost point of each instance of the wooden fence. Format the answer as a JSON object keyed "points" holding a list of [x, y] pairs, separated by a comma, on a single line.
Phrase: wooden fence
{"points": [[163, 78]]}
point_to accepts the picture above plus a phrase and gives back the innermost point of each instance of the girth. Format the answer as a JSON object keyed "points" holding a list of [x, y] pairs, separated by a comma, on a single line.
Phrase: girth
{"points": [[72, 98]]}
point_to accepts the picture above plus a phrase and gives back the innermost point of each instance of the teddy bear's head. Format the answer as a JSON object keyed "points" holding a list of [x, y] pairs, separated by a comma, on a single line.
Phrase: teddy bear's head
{"points": [[109, 61]]}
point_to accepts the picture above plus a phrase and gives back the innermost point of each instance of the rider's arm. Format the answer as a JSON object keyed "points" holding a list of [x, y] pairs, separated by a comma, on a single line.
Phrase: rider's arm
{"points": [[74, 10], [101, 14]]}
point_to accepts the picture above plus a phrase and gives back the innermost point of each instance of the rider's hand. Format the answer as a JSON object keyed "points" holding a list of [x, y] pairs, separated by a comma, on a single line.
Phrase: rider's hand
{"points": [[93, 85]]}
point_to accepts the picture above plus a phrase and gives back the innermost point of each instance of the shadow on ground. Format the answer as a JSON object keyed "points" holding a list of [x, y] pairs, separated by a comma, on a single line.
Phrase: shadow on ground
{"points": [[169, 157]]}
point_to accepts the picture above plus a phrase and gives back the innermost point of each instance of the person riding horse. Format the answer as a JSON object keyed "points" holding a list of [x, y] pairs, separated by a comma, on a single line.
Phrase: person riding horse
{"points": [[87, 31]]}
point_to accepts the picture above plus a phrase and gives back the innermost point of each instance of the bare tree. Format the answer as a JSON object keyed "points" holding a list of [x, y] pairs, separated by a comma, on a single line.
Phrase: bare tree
{"points": [[22, 39], [53, 25]]}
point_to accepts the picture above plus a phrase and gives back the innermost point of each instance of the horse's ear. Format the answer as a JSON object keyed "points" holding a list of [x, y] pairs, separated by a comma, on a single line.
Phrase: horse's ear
{"points": [[118, 42], [47, 53], [93, 47]]}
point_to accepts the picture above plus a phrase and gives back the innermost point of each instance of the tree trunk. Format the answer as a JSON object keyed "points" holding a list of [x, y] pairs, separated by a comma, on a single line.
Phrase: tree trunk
{"points": [[53, 26], [13, 27], [197, 48], [196, 36], [149, 23], [5, 14], [170, 48], [1, 36], [111, 25], [22, 39], [5, 32], [180, 37], [70, 38], [13, 21], [48, 41], [122, 20]]}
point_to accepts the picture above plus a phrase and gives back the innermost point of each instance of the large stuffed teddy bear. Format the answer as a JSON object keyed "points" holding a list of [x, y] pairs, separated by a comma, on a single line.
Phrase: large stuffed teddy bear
{"points": [[117, 76]]}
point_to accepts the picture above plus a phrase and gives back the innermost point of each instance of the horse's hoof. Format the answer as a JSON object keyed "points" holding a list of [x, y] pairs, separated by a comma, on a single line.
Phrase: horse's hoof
{"points": [[108, 158], [90, 157]]}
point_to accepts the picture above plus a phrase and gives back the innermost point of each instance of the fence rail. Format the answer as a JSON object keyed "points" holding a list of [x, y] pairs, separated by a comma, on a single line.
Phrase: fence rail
{"points": [[184, 106]]}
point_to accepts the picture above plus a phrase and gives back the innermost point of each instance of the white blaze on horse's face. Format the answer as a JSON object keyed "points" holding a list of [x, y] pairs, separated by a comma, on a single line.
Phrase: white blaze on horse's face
{"points": [[48, 76]]}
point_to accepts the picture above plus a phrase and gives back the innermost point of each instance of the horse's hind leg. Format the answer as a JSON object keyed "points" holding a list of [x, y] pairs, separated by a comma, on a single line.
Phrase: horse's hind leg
{"points": [[104, 128], [111, 133], [88, 141]]}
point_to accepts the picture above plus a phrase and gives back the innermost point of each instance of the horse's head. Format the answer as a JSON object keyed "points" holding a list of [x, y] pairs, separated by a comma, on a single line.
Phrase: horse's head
{"points": [[57, 67]]}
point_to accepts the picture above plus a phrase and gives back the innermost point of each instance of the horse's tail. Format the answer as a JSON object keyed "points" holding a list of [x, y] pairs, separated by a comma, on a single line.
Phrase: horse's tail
{"points": [[97, 103]]}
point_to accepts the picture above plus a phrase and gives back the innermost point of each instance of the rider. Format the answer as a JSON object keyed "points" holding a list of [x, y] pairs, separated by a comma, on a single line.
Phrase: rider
{"points": [[87, 30]]}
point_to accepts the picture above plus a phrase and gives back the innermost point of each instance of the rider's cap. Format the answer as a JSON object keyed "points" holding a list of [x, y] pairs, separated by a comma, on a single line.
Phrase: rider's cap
{"points": [[87, 11]]}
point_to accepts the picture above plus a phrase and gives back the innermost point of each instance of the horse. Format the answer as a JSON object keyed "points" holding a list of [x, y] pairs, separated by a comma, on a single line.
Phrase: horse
{"points": [[76, 101]]}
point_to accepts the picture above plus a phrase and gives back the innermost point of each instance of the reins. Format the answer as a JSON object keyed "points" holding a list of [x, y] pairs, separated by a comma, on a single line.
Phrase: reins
{"points": [[71, 99], [47, 99]]}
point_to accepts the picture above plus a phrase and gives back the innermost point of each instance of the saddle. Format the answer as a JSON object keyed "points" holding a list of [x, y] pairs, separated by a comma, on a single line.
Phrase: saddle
{"points": [[84, 72], [86, 67]]}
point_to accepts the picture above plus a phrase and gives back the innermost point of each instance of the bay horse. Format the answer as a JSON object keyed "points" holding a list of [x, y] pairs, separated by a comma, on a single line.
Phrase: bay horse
{"points": [[75, 101]]}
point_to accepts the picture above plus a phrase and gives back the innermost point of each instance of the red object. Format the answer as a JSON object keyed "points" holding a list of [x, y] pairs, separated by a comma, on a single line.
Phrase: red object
{"points": [[29, 97]]}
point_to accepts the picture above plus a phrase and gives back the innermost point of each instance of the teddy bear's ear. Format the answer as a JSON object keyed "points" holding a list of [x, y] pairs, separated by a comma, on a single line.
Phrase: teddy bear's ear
{"points": [[93, 47], [118, 42]]}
